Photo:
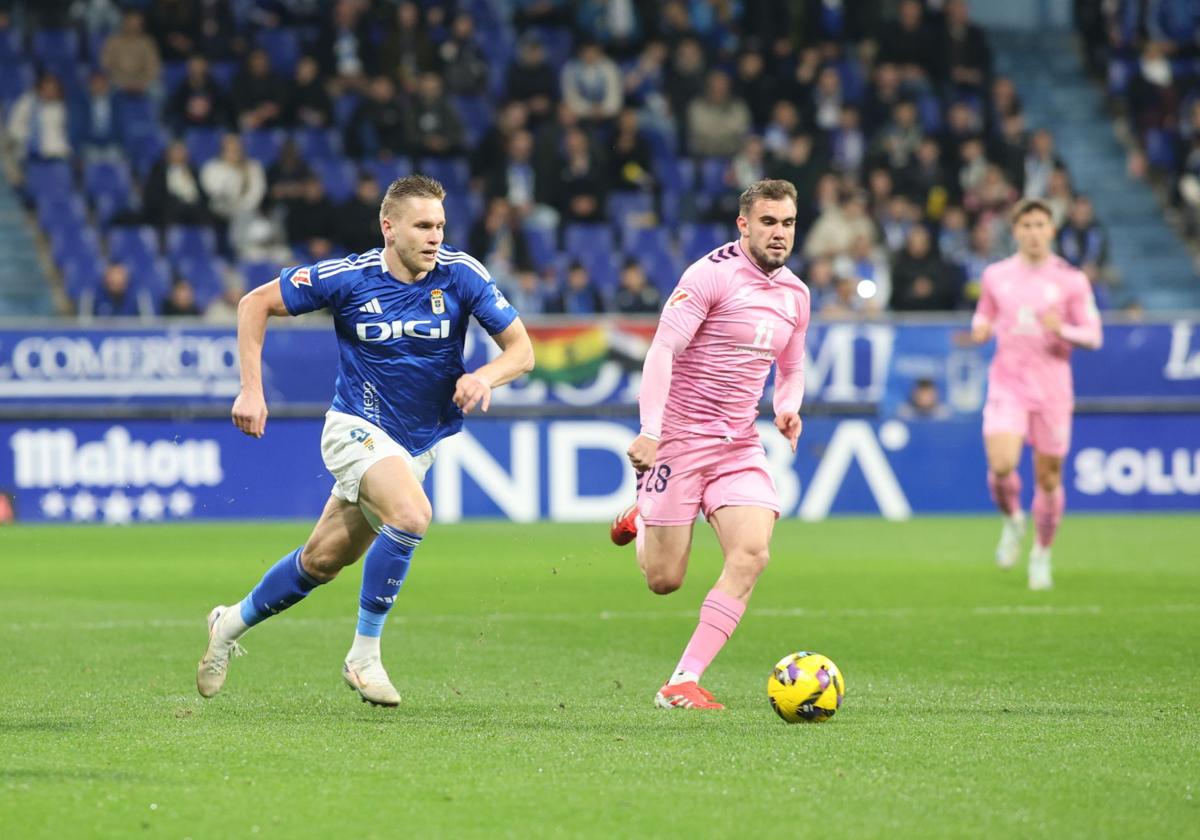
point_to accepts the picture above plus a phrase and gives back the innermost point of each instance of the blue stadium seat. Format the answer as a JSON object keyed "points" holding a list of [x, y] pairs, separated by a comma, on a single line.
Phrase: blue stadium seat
{"points": [[15, 79], [629, 210], [107, 178], [61, 210], [69, 245], [11, 50], [48, 179], [664, 146], [386, 171], [223, 73], [82, 273], [190, 242], [476, 115], [152, 276], [338, 176], [263, 144], [542, 247], [318, 143], [453, 172], [580, 239], [344, 107], [54, 47], [283, 48], [108, 205], [676, 176], [712, 175], [206, 276], [558, 43], [663, 270], [173, 74], [203, 143], [646, 240], [603, 269], [144, 150], [696, 240], [929, 113], [133, 244], [1160, 149], [258, 272]]}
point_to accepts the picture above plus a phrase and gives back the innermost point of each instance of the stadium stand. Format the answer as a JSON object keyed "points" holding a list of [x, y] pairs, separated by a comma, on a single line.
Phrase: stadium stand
{"points": [[610, 136]]}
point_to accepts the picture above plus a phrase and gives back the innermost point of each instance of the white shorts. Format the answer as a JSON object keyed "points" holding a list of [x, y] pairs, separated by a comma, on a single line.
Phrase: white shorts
{"points": [[350, 446]]}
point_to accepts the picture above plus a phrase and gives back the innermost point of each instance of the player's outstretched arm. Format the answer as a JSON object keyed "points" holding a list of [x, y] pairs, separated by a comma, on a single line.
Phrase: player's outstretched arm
{"points": [[250, 407], [515, 359], [789, 388], [985, 310], [1082, 325]]}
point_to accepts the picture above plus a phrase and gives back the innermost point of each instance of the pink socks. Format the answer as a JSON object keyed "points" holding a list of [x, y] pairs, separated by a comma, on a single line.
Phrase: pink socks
{"points": [[719, 617], [1006, 492], [1047, 513]]}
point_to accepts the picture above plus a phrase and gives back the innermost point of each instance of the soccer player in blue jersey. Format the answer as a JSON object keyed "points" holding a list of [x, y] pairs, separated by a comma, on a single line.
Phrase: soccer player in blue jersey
{"points": [[401, 316]]}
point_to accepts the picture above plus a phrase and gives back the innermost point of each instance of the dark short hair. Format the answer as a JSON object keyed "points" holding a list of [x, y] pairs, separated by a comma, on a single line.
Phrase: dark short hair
{"points": [[1029, 205], [410, 186], [768, 189]]}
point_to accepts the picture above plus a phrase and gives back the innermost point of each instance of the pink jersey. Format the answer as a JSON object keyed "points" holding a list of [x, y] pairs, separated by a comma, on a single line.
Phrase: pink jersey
{"points": [[721, 329], [1031, 362]]}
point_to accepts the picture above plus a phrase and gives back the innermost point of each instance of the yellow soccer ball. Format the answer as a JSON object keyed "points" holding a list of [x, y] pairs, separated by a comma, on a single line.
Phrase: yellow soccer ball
{"points": [[806, 688]]}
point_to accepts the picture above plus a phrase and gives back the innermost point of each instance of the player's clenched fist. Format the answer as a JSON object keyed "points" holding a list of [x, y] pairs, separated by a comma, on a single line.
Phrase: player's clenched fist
{"points": [[471, 391], [981, 332], [789, 425], [642, 453], [250, 413]]}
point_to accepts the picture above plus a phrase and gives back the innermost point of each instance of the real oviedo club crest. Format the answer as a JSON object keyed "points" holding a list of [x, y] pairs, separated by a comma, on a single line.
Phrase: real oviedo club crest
{"points": [[438, 301]]}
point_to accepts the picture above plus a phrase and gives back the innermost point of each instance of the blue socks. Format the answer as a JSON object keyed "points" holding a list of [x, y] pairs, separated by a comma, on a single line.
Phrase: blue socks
{"points": [[384, 569], [286, 583]]}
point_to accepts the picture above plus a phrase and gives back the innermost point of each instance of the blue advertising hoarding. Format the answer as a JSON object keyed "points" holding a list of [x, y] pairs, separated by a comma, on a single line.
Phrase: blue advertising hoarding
{"points": [[849, 363], [564, 469]]}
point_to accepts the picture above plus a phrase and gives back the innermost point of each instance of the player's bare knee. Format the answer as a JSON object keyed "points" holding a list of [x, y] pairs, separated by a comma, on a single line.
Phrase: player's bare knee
{"points": [[663, 583], [748, 564], [1050, 481], [413, 517], [1002, 468], [322, 560]]}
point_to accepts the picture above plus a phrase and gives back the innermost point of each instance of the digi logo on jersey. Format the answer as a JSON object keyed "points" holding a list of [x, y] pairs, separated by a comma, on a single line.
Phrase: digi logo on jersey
{"points": [[383, 331]]}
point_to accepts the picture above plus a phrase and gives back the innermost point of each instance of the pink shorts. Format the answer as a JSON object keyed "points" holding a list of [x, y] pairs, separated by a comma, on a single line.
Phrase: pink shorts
{"points": [[1048, 429], [695, 473]]}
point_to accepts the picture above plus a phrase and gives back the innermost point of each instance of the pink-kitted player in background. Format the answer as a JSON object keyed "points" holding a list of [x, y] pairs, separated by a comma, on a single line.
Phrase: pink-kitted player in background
{"points": [[735, 312], [1039, 308]]}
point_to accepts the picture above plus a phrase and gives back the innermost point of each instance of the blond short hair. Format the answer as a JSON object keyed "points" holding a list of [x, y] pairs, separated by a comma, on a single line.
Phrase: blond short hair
{"points": [[769, 189], [410, 186]]}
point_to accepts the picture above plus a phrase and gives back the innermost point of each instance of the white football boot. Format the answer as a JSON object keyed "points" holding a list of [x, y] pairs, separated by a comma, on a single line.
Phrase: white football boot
{"points": [[214, 665], [367, 677], [1010, 540], [1039, 568]]}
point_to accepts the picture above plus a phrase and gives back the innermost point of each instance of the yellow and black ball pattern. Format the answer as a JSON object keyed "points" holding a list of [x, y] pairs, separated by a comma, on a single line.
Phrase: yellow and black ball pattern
{"points": [[806, 688]]}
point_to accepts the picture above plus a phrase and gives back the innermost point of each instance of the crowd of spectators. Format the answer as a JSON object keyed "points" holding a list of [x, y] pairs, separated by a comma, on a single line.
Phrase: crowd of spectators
{"points": [[1148, 52], [177, 152]]}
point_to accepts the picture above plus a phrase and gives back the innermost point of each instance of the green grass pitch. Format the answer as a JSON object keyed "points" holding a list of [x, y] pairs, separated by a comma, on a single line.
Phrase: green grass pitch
{"points": [[528, 656]]}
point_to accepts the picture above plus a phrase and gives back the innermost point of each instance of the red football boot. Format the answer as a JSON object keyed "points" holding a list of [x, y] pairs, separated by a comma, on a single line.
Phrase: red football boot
{"points": [[686, 695], [624, 527]]}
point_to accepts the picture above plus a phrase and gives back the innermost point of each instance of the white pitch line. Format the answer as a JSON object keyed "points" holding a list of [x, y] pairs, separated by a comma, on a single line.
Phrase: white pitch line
{"points": [[766, 612]]}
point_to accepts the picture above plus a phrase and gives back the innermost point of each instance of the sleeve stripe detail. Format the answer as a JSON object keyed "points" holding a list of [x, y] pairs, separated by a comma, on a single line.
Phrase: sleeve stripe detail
{"points": [[354, 261], [445, 257], [375, 263]]}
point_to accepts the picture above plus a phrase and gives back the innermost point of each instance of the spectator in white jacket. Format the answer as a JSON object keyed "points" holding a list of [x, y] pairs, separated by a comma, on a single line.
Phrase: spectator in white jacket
{"points": [[235, 184], [591, 84], [37, 123]]}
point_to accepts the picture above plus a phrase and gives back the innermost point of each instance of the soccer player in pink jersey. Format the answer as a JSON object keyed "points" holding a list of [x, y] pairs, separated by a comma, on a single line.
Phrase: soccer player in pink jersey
{"points": [[734, 312], [1038, 307]]}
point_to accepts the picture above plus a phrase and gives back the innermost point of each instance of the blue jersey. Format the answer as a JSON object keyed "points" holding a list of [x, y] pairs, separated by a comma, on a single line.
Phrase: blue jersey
{"points": [[400, 345]]}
